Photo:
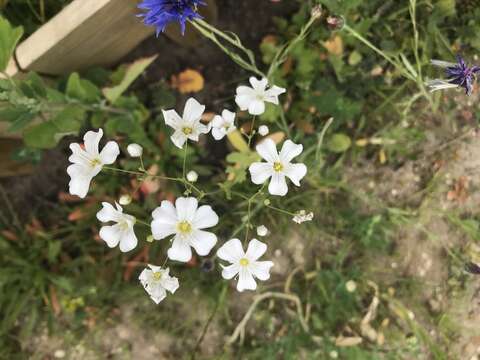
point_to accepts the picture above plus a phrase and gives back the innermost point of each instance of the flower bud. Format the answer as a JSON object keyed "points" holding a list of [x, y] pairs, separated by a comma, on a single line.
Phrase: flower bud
{"points": [[263, 130], [335, 22], [192, 176], [266, 202], [317, 12], [351, 286], [134, 150], [150, 238], [125, 200], [262, 230]]}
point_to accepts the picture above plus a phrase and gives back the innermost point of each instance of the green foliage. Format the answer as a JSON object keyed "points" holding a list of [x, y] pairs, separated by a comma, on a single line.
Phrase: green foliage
{"points": [[9, 38]]}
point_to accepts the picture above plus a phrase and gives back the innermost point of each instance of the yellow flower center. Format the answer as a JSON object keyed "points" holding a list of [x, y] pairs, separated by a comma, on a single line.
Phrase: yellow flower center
{"points": [[184, 227], [187, 130], [157, 275], [95, 162], [277, 167], [244, 262]]}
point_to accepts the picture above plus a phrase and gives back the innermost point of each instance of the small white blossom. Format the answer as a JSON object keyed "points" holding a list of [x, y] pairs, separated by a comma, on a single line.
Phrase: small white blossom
{"points": [[263, 130], [245, 264], [122, 232], [223, 125], [134, 150], [262, 230], [188, 126], [192, 176], [125, 200], [302, 216], [185, 220], [253, 98], [88, 161], [156, 281], [278, 166]]}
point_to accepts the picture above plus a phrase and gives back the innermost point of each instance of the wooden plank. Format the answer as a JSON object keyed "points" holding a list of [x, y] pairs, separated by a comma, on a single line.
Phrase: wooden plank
{"points": [[85, 33]]}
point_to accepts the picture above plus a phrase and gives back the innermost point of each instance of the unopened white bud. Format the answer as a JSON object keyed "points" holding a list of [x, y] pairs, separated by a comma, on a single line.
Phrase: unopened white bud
{"points": [[351, 286], [125, 200], [262, 230], [263, 130], [134, 150], [192, 176]]}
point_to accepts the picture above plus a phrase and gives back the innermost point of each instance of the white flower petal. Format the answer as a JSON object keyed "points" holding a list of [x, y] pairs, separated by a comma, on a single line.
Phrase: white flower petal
{"points": [[231, 251], [111, 234], [205, 217], [255, 250], [271, 95], [161, 230], [91, 141], [260, 172], [170, 283], [157, 294], [256, 107], [180, 250], [229, 272], [295, 172], [186, 208], [203, 242], [258, 85], [193, 111], [261, 269], [172, 119], [268, 150], [245, 280], [144, 276], [108, 213], [80, 179], [228, 116], [289, 151], [128, 241], [109, 153], [79, 156], [218, 133], [179, 139], [278, 185], [244, 97]]}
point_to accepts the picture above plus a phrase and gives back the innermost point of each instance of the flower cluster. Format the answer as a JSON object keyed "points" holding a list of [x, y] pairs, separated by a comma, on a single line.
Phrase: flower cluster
{"points": [[185, 222]]}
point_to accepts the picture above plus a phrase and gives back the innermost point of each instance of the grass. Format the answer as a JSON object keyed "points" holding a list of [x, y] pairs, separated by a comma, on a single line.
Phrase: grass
{"points": [[371, 81]]}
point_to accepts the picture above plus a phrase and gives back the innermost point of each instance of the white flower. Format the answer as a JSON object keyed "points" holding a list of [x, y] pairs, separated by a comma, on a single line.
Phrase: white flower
{"points": [[88, 161], [156, 281], [262, 230], [185, 220], [134, 150], [122, 232], [223, 125], [188, 126], [302, 216], [245, 264], [278, 166], [192, 176], [253, 98], [263, 130]]}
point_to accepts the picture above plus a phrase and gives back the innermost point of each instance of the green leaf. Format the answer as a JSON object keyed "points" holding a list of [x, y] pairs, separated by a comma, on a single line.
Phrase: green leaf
{"points": [[339, 143], [9, 38], [132, 72], [82, 89], [21, 122], [47, 134]]}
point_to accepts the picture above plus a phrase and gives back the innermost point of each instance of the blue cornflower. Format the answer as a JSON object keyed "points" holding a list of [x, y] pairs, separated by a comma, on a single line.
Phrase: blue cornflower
{"points": [[160, 13], [458, 75]]}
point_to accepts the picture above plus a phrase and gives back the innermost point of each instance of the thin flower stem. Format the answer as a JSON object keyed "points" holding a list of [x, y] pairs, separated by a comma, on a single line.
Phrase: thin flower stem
{"points": [[138, 173], [143, 223], [281, 210], [252, 132], [141, 163], [184, 171], [249, 211]]}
